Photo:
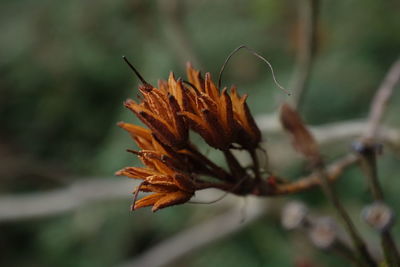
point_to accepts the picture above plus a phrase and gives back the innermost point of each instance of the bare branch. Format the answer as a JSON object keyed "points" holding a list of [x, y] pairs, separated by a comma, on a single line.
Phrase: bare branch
{"points": [[332, 132], [199, 235], [33, 205], [308, 17], [367, 150], [381, 99], [333, 172], [210, 231]]}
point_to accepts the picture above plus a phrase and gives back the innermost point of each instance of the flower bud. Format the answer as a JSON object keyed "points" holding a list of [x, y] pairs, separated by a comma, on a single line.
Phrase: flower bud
{"points": [[294, 215], [323, 234], [378, 215]]}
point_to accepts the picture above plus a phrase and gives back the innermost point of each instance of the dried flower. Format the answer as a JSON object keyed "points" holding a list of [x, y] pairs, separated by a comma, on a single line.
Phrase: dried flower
{"points": [[169, 186], [173, 166], [248, 134], [209, 112], [221, 119], [159, 111]]}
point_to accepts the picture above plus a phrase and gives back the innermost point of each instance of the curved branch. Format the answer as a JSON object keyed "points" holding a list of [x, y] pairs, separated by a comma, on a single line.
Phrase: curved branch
{"points": [[199, 236], [41, 204]]}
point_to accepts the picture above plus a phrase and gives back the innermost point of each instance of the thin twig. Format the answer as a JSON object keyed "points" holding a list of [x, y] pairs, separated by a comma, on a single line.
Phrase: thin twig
{"points": [[331, 194], [217, 171], [34, 205], [381, 99], [305, 183], [198, 236], [308, 18], [332, 132], [367, 149], [256, 165]]}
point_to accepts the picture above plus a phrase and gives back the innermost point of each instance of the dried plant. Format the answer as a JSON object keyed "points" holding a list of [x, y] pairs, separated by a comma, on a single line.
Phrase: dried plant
{"points": [[175, 168]]}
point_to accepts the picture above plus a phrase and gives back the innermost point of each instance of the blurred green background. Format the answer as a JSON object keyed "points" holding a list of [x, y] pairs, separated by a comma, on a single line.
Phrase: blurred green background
{"points": [[63, 83]]}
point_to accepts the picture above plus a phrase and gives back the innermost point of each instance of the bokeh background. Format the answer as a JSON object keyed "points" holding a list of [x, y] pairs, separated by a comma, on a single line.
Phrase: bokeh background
{"points": [[62, 84]]}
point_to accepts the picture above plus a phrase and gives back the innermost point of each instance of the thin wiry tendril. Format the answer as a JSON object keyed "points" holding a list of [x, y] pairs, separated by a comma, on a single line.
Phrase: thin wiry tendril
{"points": [[257, 55]]}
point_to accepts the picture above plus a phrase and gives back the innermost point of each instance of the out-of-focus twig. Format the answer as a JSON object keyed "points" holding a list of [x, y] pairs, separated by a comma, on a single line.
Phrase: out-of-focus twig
{"points": [[35, 205], [210, 231], [381, 99], [41, 204], [333, 132], [199, 236], [308, 17], [367, 149], [304, 142], [172, 12], [302, 184]]}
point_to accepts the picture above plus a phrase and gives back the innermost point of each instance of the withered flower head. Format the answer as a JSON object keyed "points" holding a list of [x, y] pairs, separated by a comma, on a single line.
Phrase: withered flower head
{"points": [[159, 110], [169, 186], [249, 135], [173, 166], [221, 119]]}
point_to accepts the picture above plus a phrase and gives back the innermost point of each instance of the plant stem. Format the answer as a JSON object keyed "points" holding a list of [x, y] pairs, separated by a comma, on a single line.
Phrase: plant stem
{"points": [[341, 249], [308, 18], [256, 165], [235, 168], [368, 159], [216, 170], [330, 193]]}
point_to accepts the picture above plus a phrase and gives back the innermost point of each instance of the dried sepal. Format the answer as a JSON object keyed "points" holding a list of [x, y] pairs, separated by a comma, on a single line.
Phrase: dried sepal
{"points": [[146, 201], [169, 185], [303, 140]]}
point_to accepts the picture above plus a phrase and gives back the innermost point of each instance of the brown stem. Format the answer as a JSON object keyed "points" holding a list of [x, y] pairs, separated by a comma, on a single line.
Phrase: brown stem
{"points": [[235, 168], [313, 180], [216, 170], [256, 166], [343, 250]]}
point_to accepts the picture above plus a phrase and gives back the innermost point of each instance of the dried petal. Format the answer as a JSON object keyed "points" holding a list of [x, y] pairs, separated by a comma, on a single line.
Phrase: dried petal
{"points": [[171, 199], [149, 200]]}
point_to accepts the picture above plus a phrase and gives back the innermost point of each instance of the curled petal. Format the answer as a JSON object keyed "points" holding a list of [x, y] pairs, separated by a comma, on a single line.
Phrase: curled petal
{"points": [[171, 199], [160, 180], [157, 188], [136, 172], [149, 200]]}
